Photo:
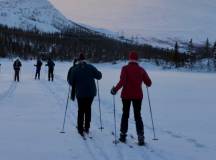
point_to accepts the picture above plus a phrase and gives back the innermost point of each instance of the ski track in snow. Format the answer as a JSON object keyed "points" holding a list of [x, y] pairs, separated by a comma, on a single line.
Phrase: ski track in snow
{"points": [[106, 157], [9, 92], [160, 153], [61, 102], [90, 144]]}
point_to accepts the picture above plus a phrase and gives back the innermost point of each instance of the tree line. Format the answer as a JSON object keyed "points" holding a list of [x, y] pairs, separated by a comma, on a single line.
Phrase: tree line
{"points": [[98, 47]]}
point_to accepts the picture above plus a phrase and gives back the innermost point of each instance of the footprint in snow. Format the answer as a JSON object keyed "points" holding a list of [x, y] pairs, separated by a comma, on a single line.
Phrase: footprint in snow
{"points": [[193, 141]]}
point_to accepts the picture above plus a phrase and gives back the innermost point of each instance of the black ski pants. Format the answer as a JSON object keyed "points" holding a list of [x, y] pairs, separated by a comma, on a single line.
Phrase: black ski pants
{"points": [[137, 116], [37, 74], [16, 75], [50, 74], [84, 113]]}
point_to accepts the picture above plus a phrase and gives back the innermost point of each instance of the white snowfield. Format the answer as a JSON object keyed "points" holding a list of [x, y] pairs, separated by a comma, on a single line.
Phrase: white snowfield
{"points": [[31, 116]]}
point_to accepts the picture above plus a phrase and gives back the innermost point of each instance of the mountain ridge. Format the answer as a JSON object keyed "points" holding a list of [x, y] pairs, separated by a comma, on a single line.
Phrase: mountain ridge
{"points": [[31, 14]]}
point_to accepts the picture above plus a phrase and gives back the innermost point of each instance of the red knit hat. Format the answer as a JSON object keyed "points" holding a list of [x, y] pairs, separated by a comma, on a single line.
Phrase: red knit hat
{"points": [[81, 57], [133, 56]]}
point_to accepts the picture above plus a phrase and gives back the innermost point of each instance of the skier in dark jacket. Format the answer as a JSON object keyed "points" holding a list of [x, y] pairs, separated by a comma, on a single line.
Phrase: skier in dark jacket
{"points": [[38, 68], [51, 66], [82, 77], [17, 65], [132, 76]]}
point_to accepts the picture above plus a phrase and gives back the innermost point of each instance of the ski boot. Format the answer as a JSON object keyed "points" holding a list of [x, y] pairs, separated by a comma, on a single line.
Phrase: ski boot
{"points": [[122, 137], [141, 141]]}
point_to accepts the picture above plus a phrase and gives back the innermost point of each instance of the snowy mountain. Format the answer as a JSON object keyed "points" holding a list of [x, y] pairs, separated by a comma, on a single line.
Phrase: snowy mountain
{"points": [[31, 14]]}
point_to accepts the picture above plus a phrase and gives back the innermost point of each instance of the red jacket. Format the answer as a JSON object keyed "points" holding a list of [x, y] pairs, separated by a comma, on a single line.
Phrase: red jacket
{"points": [[132, 76]]}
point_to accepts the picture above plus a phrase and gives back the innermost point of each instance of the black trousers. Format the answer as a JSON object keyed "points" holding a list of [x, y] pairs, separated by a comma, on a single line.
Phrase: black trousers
{"points": [[50, 74], [137, 116], [84, 113], [37, 74], [16, 75]]}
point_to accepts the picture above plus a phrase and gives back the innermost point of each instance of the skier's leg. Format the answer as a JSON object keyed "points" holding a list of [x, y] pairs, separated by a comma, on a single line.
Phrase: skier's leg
{"points": [[49, 75], [138, 119], [39, 74], [35, 75], [18, 78], [80, 117], [14, 75], [52, 75], [88, 113], [124, 120]]}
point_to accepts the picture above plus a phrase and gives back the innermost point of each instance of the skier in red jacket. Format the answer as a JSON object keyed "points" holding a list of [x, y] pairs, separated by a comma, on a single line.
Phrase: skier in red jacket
{"points": [[132, 76]]}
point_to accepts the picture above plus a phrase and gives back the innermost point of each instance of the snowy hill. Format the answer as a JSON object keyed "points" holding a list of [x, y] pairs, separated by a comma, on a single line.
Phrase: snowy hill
{"points": [[31, 14]]}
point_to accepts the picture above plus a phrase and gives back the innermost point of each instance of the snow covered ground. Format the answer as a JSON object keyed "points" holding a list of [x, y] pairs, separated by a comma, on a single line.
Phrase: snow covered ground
{"points": [[31, 115]]}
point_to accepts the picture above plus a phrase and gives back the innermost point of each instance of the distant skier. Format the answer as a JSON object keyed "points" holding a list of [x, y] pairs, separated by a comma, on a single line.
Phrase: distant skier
{"points": [[38, 66], [132, 76], [17, 65], [82, 77], [51, 66]]}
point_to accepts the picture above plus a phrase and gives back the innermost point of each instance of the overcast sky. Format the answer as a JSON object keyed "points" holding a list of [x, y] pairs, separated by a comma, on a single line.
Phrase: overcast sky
{"points": [[101, 13], [162, 18]]}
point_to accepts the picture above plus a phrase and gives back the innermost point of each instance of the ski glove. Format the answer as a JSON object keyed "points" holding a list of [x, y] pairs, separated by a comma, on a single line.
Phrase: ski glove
{"points": [[113, 91]]}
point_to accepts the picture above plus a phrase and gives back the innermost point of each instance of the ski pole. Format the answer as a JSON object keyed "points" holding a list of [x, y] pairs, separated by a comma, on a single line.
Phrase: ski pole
{"points": [[20, 74], [99, 105], [114, 112], [63, 126], [150, 109]]}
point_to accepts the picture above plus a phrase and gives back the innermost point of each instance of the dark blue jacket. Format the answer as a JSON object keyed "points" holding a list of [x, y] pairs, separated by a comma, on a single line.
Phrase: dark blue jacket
{"points": [[38, 65], [50, 65], [17, 65], [82, 77]]}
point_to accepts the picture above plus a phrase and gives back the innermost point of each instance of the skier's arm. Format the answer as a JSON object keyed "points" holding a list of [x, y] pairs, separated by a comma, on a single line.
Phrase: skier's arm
{"points": [[97, 74], [146, 79], [122, 81], [70, 77]]}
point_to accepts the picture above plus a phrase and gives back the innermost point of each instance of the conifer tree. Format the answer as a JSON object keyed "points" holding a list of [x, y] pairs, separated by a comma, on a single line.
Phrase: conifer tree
{"points": [[176, 54], [207, 53], [190, 52], [214, 55]]}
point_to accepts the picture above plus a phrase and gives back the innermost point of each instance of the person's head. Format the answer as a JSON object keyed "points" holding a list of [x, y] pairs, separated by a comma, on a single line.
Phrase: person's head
{"points": [[133, 56], [81, 57]]}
